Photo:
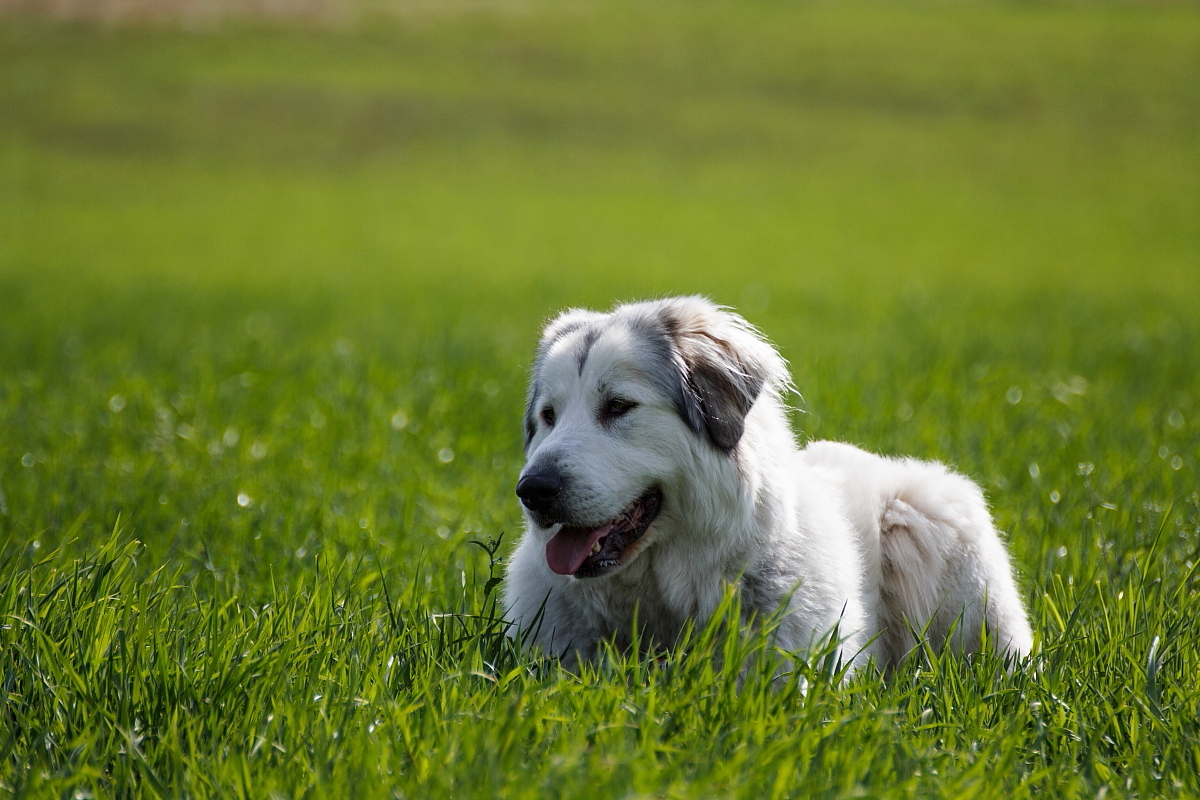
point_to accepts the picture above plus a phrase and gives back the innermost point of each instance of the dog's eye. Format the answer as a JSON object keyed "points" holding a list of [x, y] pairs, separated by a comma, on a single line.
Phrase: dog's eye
{"points": [[618, 407], [548, 416]]}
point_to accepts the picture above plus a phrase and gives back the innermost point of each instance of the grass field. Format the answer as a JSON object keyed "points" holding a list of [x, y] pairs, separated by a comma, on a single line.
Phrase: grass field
{"points": [[268, 293]]}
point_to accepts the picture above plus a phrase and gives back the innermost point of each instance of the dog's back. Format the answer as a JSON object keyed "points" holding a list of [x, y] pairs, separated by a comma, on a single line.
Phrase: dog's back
{"points": [[933, 563]]}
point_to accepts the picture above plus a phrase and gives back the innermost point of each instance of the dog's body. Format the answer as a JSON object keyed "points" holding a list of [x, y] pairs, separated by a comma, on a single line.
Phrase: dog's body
{"points": [[661, 468]]}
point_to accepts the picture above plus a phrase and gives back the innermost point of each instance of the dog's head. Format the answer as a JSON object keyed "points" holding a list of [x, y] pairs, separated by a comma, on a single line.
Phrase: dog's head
{"points": [[620, 405]]}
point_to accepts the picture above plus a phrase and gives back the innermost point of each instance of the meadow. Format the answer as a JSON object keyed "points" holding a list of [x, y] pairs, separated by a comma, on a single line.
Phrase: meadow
{"points": [[269, 290]]}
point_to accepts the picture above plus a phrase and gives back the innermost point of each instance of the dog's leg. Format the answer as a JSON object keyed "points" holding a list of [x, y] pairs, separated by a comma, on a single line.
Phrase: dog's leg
{"points": [[945, 572]]}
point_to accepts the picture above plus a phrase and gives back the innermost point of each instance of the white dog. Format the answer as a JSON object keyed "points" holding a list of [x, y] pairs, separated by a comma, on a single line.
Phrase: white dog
{"points": [[660, 468]]}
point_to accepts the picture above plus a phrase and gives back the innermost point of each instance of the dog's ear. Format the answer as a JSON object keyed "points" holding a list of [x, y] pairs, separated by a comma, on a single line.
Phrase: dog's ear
{"points": [[725, 365]]}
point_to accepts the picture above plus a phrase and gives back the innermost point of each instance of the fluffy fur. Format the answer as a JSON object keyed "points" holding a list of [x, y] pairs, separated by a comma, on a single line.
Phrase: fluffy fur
{"points": [[683, 398]]}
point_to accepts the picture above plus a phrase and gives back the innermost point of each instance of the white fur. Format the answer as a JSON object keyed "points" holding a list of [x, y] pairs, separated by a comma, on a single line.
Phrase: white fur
{"points": [[879, 547]]}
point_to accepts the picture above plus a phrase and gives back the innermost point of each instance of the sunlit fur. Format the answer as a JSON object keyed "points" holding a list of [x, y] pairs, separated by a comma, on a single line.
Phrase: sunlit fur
{"points": [[877, 547]]}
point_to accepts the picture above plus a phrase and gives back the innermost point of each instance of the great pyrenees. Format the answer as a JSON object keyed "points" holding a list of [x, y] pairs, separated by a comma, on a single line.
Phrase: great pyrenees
{"points": [[661, 467]]}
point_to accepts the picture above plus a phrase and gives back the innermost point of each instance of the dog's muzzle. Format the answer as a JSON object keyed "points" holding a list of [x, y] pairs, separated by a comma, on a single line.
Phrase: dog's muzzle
{"points": [[591, 551]]}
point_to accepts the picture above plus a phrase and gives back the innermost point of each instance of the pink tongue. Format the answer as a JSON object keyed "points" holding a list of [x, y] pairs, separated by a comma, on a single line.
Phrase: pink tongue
{"points": [[570, 547]]}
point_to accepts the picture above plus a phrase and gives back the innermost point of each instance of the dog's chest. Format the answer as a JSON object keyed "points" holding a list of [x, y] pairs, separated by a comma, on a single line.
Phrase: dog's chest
{"points": [[659, 604]]}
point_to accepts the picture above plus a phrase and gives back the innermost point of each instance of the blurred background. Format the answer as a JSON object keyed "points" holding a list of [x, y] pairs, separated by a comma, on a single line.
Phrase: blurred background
{"points": [[241, 237], [625, 147]]}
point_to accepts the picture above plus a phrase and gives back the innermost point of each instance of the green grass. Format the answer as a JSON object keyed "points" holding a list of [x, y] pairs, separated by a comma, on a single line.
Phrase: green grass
{"points": [[267, 299]]}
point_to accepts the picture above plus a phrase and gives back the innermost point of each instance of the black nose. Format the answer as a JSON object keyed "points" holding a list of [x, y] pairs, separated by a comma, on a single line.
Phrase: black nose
{"points": [[538, 490]]}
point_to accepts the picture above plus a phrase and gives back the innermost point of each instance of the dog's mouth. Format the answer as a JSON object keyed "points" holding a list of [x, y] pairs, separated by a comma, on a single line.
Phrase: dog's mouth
{"points": [[589, 552]]}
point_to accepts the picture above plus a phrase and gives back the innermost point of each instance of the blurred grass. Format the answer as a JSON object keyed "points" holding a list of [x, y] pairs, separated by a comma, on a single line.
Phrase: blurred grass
{"points": [[268, 293], [625, 144]]}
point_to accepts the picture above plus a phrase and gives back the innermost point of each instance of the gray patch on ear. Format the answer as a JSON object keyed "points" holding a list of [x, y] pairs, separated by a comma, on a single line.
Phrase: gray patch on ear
{"points": [[665, 367], [726, 397], [718, 387]]}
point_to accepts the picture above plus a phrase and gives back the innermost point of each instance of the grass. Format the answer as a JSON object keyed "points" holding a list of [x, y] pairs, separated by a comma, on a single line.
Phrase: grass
{"points": [[268, 293]]}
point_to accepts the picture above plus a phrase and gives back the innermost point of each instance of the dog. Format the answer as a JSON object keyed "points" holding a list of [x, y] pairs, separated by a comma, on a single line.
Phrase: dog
{"points": [[661, 468]]}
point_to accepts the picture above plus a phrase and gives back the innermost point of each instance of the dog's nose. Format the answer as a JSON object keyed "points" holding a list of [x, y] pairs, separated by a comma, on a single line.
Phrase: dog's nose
{"points": [[538, 490]]}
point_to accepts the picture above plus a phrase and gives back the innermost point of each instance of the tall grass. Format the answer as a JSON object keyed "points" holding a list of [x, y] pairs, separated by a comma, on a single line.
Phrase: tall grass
{"points": [[337, 686]]}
